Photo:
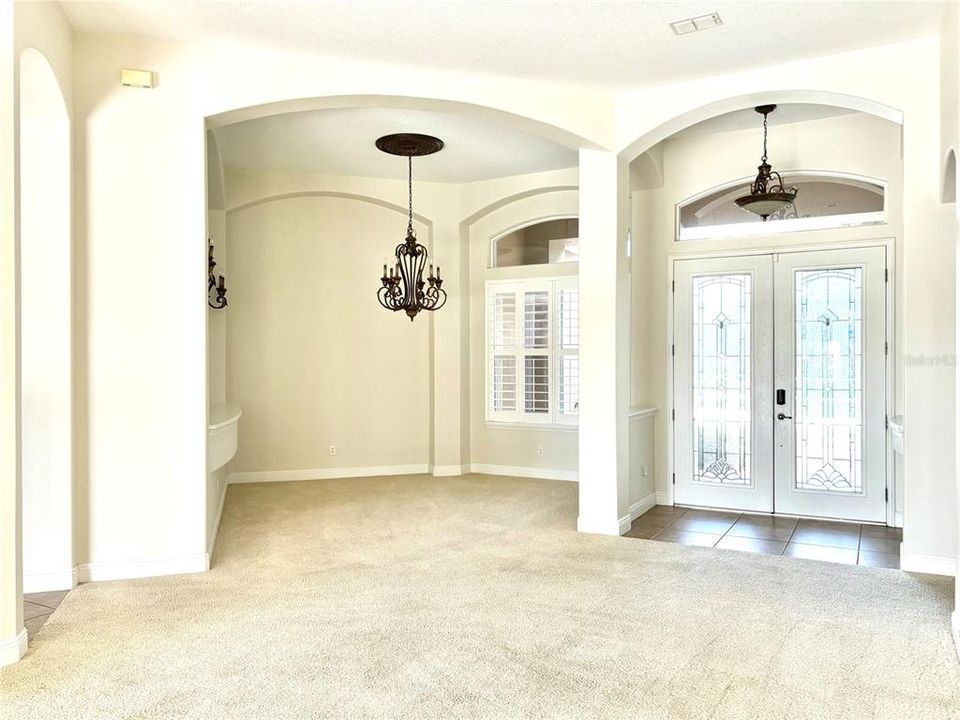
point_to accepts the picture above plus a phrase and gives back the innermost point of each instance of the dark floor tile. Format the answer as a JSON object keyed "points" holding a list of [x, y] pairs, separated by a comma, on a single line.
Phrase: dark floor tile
{"points": [[50, 599], [820, 524], [890, 545], [32, 610], [830, 534], [705, 521], [751, 544], [35, 623], [644, 532], [881, 531], [764, 527], [682, 537], [657, 521], [879, 559], [847, 556]]}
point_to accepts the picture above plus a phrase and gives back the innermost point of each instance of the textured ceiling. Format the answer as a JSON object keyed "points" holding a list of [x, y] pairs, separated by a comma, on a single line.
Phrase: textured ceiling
{"points": [[617, 45], [340, 142]]}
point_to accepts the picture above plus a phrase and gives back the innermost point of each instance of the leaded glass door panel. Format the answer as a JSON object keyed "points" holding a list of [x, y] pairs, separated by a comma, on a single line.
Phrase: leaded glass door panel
{"points": [[723, 325], [830, 436]]}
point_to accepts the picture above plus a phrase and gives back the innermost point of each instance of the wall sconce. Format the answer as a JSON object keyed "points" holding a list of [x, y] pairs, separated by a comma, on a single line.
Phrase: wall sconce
{"points": [[220, 301]]}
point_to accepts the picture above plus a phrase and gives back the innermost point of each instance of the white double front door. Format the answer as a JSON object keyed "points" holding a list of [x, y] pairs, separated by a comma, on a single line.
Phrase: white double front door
{"points": [[780, 383]]}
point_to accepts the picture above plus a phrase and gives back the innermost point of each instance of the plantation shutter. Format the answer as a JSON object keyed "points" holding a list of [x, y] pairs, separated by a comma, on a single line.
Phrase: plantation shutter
{"points": [[568, 351], [503, 344], [533, 342]]}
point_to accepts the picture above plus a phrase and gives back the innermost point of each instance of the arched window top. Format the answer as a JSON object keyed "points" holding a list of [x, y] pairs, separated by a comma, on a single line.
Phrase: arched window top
{"points": [[546, 242], [824, 200]]}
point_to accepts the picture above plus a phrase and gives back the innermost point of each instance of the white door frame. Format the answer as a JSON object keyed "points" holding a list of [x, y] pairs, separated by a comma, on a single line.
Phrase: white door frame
{"points": [[892, 366]]}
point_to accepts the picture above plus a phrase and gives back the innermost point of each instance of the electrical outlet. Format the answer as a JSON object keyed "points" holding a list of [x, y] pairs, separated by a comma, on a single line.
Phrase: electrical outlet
{"points": [[333, 449], [540, 452]]}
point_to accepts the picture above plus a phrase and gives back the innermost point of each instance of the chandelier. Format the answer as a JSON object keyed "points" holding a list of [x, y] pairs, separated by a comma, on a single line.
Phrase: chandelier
{"points": [[403, 286], [767, 194]]}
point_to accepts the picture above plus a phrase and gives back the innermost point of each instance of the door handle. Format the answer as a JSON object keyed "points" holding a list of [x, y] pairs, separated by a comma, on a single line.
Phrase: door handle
{"points": [[781, 416]]}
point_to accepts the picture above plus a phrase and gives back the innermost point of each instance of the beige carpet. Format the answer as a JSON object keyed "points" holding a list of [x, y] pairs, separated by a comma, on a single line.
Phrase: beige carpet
{"points": [[473, 597]]}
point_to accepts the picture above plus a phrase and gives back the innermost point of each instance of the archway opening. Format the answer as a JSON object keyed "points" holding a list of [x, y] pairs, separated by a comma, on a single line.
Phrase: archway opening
{"points": [[46, 344], [703, 271], [329, 383]]}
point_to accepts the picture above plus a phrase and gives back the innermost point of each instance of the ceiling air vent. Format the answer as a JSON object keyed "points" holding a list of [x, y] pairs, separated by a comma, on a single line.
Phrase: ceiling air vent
{"points": [[701, 22]]}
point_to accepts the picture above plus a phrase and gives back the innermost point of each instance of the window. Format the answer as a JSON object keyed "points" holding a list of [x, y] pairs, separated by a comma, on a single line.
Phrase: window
{"points": [[543, 243], [824, 201], [533, 362]]}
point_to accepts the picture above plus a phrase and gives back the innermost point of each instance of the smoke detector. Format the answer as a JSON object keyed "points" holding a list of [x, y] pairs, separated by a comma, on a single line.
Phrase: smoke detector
{"points": [[701, 22]]}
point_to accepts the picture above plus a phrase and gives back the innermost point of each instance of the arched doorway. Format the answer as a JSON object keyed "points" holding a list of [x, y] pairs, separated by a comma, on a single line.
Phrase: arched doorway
{"points": [[705, 157], [46, 336], [450, 412]]}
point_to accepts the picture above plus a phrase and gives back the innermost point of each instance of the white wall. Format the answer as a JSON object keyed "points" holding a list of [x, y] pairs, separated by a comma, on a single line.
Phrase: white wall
{"points": [[642, 467], [140, 225], [13, 642], [855, 143], [286, 213], [216, 236], [490, 444], [950, 143], [312, 358]]}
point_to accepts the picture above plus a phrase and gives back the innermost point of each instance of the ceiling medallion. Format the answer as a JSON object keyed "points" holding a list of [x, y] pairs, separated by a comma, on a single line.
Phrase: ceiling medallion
{"points": [[403, 286], [767, 194]]}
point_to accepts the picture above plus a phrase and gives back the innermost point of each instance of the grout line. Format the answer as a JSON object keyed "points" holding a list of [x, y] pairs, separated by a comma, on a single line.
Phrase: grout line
{"points": [[724, 534], [46, 605], [666, 526]]}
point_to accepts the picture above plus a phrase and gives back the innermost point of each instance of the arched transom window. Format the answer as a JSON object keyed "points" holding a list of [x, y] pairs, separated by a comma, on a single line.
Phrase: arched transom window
{"points": [[824, 200]]}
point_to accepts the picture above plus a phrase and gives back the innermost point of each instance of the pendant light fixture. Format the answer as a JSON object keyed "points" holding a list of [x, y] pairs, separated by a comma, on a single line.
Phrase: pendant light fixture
{"points": [[767, 194], [403, 286]]}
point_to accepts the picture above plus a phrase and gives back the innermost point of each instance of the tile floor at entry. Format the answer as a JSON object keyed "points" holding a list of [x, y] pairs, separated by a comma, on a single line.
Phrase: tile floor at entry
{"points": [[839, 542], [37, 607]]}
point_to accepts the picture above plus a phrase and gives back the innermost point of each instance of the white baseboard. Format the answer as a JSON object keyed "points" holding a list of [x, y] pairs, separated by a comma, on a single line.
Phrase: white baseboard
{"points": [[929, 564], [663, 498], [642, 505], [599, 527], [48, 581], [129, 569], [525, 472], [624, 524], [325, 473], [446, 470], [12, 649], [216, 524], [898, 520]]}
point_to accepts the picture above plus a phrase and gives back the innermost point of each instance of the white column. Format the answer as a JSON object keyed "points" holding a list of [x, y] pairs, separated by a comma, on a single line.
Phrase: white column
{"points": [[604, 342], [13, 637]]}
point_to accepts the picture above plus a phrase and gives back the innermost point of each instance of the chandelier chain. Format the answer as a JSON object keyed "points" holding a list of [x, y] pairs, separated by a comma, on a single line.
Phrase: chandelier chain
{"points": [[410, 195], [764, 158]]}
